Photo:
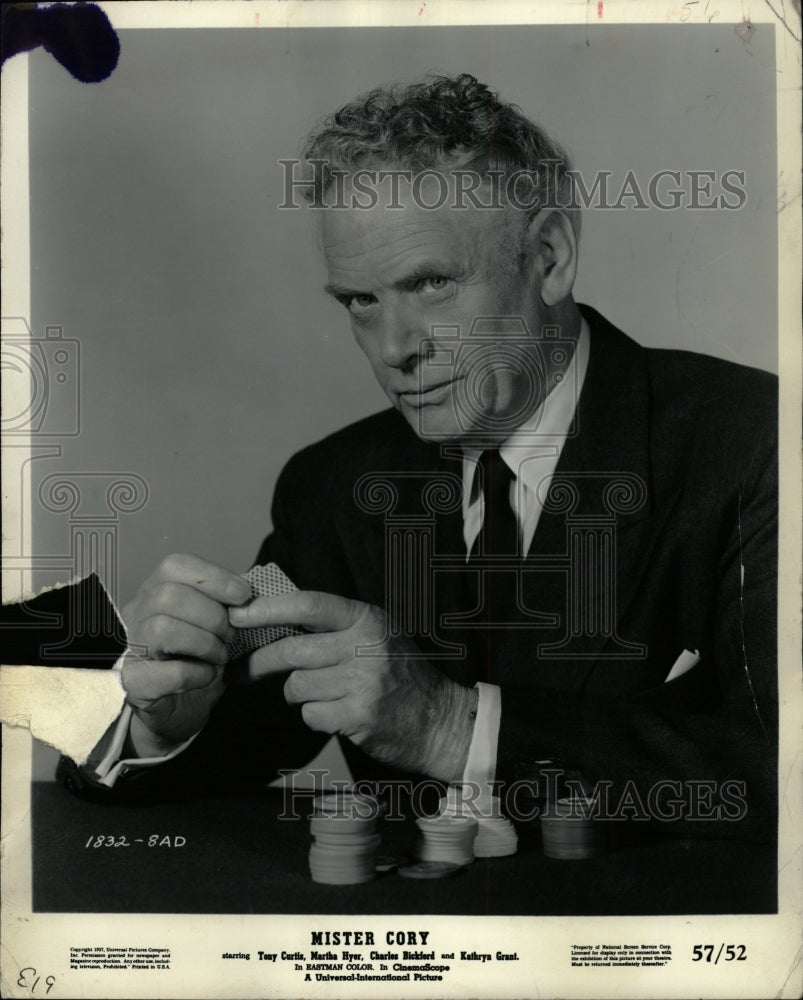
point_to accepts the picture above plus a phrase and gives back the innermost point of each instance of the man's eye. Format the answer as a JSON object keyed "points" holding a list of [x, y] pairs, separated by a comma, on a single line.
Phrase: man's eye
{"points": [[359, 302], [437, 283]]}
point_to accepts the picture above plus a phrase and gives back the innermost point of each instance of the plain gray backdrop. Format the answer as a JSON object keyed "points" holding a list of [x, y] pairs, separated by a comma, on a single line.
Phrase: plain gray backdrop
{"points": [[209, 352]]}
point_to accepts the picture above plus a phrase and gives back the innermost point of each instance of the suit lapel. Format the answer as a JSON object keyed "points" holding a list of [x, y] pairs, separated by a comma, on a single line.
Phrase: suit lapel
{"points": [[609, 522]]}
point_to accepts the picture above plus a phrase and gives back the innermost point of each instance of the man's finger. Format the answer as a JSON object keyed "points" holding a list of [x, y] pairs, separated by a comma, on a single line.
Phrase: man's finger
{"points": [[165, 638], [147, 680], [309, 609], [216, 582], [296, 652], [326, 716], [186, 604], [325, 684]]}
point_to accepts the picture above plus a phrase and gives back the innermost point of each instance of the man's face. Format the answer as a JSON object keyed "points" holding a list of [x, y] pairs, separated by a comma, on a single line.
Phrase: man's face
{"points": [[415, 281]]}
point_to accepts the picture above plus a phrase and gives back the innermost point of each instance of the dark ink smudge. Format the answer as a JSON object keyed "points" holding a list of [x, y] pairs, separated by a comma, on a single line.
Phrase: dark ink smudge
{"points": [[78, 35]]}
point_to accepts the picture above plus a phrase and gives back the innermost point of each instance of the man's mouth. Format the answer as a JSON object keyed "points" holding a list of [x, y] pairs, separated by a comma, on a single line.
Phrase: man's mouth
{"points": [[428, 395]]}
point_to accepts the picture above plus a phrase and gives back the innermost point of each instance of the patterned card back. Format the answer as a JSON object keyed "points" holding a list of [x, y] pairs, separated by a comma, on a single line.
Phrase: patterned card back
{"points": [[265, 581]]}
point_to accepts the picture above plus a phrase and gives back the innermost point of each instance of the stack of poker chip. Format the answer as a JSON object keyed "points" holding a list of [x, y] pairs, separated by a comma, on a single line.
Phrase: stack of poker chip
{"points": [[345, 840], [571, 832], [538, 780], [496, 835], [448, 838]]}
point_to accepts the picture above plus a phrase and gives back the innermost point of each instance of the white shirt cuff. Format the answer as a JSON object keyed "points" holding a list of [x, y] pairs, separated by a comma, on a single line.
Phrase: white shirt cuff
{"points": [[480, 766], [111, 767]]}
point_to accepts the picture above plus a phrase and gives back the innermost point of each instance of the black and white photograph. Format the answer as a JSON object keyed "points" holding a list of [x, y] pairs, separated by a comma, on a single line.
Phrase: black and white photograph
{"points": [[402, 512]]}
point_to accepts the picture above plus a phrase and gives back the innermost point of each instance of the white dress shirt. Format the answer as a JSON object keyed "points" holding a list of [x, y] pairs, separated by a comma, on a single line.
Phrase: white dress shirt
{"points": [[531, 453]]}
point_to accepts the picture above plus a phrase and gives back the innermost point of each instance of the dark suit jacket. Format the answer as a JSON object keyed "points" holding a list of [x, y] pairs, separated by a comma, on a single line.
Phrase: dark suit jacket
{"points": [[689, 540]]}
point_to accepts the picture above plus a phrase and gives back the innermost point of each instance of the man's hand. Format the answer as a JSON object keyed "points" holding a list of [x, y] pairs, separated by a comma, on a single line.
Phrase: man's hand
{"points": [[177, 628], [350, 677]]}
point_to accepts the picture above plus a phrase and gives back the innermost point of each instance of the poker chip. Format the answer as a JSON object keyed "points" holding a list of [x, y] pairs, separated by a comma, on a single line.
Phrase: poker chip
{"points": [[430, 869], [345, 841], [339, 826], [389, 862], [446, 839], [496, 836], [344, 804], [569, 831]]}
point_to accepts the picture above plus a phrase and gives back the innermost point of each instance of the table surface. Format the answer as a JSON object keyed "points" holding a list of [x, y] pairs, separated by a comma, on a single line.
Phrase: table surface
{"points": [[238, 857]]}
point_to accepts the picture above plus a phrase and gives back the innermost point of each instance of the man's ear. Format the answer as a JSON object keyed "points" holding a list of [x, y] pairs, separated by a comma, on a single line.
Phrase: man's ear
{"points": [[553, 243]]}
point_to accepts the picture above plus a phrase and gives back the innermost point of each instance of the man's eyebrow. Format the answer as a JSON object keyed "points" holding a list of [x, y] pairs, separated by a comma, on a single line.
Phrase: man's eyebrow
{"points": [[424, 269], [340, 291], [427, 269]]}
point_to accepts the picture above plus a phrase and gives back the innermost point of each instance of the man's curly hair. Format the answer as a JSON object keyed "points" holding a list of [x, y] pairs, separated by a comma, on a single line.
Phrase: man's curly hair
{"points": [[440, 123]]}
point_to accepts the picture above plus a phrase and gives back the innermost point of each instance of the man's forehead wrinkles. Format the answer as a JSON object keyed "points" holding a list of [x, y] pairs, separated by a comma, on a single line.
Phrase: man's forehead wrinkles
{"points": [[379, 251], [340, 233], [355, 245], [373, 250], [411, 254]]}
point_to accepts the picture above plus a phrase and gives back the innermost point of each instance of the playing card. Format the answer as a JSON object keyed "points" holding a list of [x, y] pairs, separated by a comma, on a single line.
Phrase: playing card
{"points": [[265, 581]]}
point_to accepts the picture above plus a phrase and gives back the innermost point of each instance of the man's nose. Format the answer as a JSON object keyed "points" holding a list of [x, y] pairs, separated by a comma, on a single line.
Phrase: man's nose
{"points": [[405, 337]]}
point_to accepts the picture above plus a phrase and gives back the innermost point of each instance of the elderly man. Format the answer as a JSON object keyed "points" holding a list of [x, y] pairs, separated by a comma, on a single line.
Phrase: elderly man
{"points": [[589, 572]]}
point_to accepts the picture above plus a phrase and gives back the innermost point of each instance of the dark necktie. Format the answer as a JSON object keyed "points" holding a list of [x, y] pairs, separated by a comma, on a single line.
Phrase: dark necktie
{"points": [[500, 530], [499, 536]]}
